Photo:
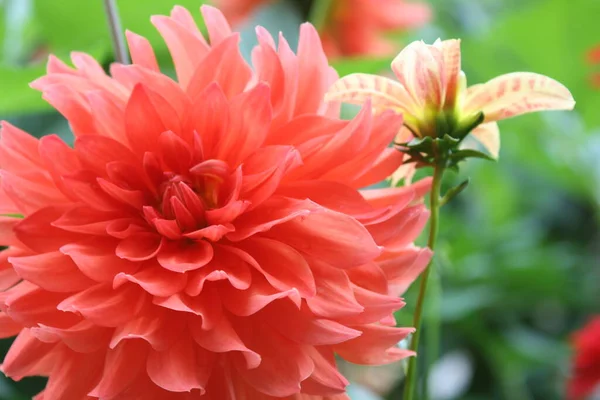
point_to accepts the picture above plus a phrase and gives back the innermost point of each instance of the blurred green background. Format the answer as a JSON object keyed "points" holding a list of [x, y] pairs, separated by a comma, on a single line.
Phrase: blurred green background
{"points": [[518, 262]]}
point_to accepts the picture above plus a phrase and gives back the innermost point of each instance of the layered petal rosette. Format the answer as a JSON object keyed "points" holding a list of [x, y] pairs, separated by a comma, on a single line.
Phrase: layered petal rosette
{"points": [[205, 237]]}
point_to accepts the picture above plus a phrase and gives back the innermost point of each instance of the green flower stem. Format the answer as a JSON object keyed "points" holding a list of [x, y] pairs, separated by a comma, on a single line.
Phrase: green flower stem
{"points": [[433, 322], [116, 31], [434, 205], [319, 13]]}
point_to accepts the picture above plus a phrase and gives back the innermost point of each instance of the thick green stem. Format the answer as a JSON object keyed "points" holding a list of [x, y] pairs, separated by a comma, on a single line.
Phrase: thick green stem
{"points": [[434, 206], [116, 32]]}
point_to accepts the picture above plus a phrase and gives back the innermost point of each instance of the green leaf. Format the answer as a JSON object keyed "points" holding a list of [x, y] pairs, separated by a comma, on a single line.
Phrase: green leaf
{"points": [[455, 191], [58, 21], [12, 216], [423, 144], [550, 37], [17, 96], [319, 13], [447, 143], [470, 153]]}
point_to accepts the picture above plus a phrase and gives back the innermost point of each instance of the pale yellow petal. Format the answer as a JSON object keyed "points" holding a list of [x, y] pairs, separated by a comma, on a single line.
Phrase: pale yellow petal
{"points": [[488, 136], [517, 93], [452, 65], [404, 135], [419, 68], [384, 93], [405, 173]]}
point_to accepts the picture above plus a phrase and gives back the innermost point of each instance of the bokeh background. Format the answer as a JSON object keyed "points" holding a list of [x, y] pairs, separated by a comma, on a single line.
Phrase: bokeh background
{"points": [[518, 264]]}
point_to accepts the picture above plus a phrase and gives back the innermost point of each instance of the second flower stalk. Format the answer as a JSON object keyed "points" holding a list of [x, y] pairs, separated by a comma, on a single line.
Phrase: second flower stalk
{"points": [[440, 112]]}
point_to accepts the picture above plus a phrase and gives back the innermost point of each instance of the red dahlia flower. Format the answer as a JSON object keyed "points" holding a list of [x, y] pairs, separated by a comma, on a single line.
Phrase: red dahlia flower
{"points": [[586, 365], [205, 237], [358, 27], [353, 27], [593, 58]]}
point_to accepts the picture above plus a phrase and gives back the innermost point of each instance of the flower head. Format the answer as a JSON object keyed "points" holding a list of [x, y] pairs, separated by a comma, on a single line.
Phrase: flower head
{"points": [[586, 363], [358, 27], [237, 11], [352, 27], [593, 58], [432, 95], [205, 236]]}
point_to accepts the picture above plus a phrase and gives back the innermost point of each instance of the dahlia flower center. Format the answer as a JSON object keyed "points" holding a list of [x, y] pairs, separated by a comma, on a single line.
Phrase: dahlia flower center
{"points": [[184, 199]]}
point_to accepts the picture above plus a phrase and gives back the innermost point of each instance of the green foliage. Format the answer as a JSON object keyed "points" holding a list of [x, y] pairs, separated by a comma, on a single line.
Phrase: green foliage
{"points": [[71, 25], [57, 23], [16, 96], [347, 65]]}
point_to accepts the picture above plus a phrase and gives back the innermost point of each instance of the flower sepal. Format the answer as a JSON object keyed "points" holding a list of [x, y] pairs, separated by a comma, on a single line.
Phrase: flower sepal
{"points": [[463, 154], [445, 151], [467, 125]]}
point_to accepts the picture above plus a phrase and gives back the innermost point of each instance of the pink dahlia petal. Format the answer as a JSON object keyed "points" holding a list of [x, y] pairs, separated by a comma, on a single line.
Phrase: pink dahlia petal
{"points": [[96, 259], [84, 337], [54, 272], [29, 196], [181, 368], [28, 356], [8, 276], [148, 114], [282, 265], [225, 66], [123, 364], [369, 276], [217, 25], [248, 127], [29, 306], [7, 233], [326, 380], [157, 326], [8, 327], [401, 229], [87, 367], [224, 339], [376, 306], [375, 346], [335, 297], [141, 51], [225, 265], [181, 42], [284, 364], [139, 247], [131, 75], [330, 236], [182, 257], [155, 280], [244, 303], [85, 220], [104, 306], [303, 327]]}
